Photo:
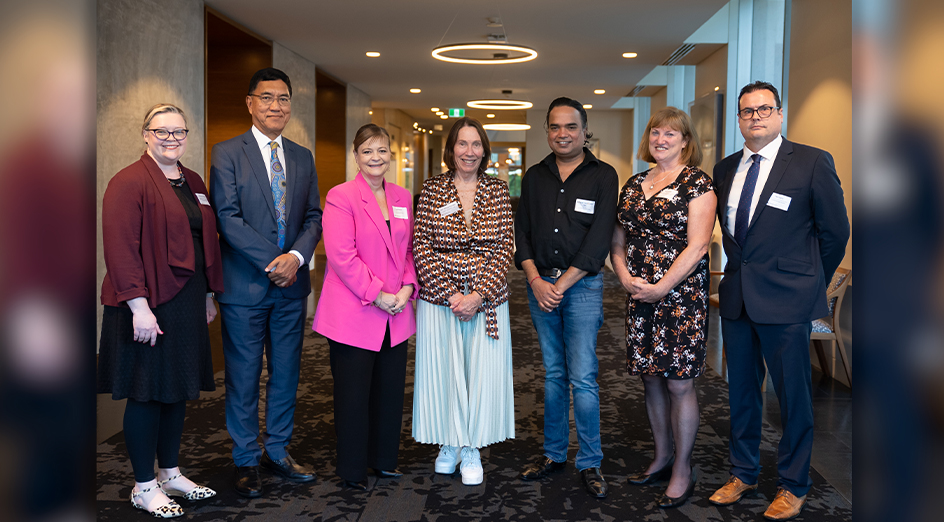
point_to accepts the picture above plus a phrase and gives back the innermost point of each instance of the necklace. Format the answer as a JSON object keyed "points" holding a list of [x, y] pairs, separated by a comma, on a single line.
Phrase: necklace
{"points": [[179, 182], [661, 178]]}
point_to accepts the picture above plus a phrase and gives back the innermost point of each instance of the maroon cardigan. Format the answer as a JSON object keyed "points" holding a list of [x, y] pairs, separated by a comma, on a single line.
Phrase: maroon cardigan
{"points": [[146, 240]]}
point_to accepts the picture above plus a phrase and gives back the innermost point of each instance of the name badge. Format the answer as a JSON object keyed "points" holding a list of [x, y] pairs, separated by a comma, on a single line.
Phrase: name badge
{"points": [[451, 208], [584, 206], [400, 213], [779, 201], [203, 199], [667, 193]]}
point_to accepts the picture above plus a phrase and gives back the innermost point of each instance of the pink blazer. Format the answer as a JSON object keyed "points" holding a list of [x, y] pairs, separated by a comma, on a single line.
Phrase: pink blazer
{"points": [[363, 259]]}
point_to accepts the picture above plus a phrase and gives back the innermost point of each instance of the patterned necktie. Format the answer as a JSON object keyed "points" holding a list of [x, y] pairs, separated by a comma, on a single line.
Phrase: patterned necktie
{"points": [[278, 192], [741, 219]]}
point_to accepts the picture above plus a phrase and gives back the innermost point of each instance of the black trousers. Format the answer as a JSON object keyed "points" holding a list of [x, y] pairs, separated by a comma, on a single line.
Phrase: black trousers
{"points": [[786, 350], [368, 406]]}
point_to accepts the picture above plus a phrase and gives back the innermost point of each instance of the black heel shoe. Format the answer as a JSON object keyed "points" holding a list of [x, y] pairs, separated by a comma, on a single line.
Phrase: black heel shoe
{"points": [[388, 473], [648, 478], [360, 485], [667, 502]]}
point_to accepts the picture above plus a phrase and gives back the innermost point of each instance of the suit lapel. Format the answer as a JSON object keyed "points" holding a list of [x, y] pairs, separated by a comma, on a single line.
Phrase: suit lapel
{"points": [[252, 151], [726, 192], [777, 170], [291, 176], [373, 212]]}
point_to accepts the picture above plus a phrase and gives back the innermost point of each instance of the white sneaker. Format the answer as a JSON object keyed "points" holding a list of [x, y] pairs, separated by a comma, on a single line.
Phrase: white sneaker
{"points": [[472, 472], [447, 460]]}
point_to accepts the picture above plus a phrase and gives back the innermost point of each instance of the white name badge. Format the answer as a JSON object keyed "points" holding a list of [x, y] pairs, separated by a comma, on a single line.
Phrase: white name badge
{"points": [[203, 199], [779, 201], [451, 208], [584, 206], [667, 193], [400, 213]]}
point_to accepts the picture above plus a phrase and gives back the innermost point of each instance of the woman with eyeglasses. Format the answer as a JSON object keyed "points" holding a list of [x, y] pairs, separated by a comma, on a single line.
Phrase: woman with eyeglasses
{"points": [[162, 261]]}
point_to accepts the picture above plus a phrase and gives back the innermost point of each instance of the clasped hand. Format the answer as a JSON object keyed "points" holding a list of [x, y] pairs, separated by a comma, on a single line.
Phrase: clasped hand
{"points": [[546, 294], [393, 304], [640, 290], [464, 307], [283, 269]]}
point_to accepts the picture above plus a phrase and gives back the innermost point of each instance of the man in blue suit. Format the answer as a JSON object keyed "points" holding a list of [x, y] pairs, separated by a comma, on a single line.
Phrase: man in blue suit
{"points": [[265, 193], [785, 229]]}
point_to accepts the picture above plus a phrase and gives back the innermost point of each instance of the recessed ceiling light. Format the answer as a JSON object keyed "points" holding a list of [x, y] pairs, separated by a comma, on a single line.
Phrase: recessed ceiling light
{"points": [[506, 126], [599, 91], [717, 88], [443, 116], [435, 109], [416, 91], [500, 104], [630, 55], [370, 112], [440, 113], [372, 54], [489, 115], [587, 106], [430, 132]]}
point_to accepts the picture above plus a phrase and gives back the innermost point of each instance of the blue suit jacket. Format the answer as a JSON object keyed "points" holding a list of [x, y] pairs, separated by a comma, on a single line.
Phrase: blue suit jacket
{"points": [[779, 274], [245, 211]]}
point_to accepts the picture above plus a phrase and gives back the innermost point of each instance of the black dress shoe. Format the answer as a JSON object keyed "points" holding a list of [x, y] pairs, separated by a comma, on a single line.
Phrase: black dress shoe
{"points": [[541, 467], [385, 473], [360, 485], [287, 468], [594, 482], [248, 483], [648, 478], [667, 502]]}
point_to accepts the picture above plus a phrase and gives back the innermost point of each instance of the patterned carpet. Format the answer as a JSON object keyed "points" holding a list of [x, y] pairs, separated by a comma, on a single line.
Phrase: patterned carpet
{"points": [[423, 495]]}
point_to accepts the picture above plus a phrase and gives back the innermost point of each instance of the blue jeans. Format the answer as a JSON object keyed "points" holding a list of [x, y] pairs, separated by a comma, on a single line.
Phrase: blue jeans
{"points": [[568, 338]]}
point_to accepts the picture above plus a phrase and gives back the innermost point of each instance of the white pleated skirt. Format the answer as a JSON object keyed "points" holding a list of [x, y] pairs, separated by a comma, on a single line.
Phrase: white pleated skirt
{"points": [[463, 392]]}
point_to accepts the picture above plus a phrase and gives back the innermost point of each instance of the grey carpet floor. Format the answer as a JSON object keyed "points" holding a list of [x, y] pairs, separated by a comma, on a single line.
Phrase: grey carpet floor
{"points": [[423, 495]]}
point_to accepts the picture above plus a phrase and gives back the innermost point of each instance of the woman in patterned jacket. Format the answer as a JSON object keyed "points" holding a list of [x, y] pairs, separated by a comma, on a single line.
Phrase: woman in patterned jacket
{"points": [[463, 398]]}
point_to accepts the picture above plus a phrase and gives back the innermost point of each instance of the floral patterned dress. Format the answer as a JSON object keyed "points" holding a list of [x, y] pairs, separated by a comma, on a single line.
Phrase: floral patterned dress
{"points": [[668, 338]]}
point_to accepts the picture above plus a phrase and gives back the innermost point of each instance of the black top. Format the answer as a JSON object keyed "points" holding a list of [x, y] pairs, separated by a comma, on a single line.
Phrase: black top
{"points": [[560, 224]]}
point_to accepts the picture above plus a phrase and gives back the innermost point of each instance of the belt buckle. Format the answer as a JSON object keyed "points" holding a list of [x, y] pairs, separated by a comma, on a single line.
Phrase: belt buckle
{"points": [[556, 273]]}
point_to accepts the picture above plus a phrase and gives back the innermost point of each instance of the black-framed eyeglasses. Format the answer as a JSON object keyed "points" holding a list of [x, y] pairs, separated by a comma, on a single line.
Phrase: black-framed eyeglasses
{"points": [[267, 99], [763, 111], [163, 134]]}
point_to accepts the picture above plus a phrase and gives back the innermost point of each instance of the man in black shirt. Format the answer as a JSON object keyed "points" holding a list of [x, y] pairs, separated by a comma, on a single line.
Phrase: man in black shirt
{"points": [[563, 228]]}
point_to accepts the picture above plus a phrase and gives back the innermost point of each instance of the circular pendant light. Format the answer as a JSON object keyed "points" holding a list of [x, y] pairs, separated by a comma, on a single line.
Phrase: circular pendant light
{"points": [[484, 53], [506, 126], [500, 105]]}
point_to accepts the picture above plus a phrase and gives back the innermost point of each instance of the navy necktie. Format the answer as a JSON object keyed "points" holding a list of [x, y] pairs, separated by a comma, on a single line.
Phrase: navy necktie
{"points": [[742, 218]]}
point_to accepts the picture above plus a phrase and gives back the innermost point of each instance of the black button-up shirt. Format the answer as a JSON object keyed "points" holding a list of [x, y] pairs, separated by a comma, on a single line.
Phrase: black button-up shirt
{"points": [[560, 224]]}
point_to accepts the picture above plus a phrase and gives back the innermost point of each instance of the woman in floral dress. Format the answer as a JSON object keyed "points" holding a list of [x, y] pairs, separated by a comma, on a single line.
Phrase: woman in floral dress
{"points": [[660, 254]]}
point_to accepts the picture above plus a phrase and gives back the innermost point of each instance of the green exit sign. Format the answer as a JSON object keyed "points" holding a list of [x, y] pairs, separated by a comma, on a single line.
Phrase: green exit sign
{"points": [[456, 113]]}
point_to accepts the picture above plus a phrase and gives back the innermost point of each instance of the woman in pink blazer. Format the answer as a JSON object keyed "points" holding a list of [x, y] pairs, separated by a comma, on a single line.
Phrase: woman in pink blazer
{"points": [[365, 309]]}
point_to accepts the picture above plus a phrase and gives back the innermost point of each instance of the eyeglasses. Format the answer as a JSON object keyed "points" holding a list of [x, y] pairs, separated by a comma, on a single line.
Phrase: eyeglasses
{"points": [[763, 111], [163, 134], [267, 99]]}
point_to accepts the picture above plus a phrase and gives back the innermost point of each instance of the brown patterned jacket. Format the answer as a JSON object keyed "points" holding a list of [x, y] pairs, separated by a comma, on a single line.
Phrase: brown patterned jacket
{"points": [[449, 256]]}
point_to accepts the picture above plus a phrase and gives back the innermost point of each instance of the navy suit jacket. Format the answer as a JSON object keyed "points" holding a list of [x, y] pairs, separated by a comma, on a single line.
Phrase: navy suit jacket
{"points": [[245, 211], [779, 274]]}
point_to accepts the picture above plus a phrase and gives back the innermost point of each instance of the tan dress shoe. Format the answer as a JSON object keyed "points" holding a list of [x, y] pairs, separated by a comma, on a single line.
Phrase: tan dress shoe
{"points": [[785, 506], [731, 492]]}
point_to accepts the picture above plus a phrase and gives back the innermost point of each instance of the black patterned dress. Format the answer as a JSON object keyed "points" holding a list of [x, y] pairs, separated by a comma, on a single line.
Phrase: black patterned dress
{"points": [[668, 338]]}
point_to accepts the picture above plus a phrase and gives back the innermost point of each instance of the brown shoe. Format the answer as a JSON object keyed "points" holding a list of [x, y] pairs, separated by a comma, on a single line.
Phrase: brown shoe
{"points": [[731, 492], [785, 506]]}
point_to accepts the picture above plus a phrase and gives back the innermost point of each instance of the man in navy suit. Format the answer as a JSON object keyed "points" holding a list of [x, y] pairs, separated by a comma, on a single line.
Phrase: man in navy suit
{"points": [[785, 229], [265, 193]]}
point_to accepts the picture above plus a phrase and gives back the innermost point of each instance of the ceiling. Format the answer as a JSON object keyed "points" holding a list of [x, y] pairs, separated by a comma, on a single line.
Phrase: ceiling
{"points": [[579, 45]]}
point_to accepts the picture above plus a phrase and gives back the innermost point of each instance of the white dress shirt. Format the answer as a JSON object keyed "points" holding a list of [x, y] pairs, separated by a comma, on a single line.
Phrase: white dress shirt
{"points": [[768, 155], [266, 150]]}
